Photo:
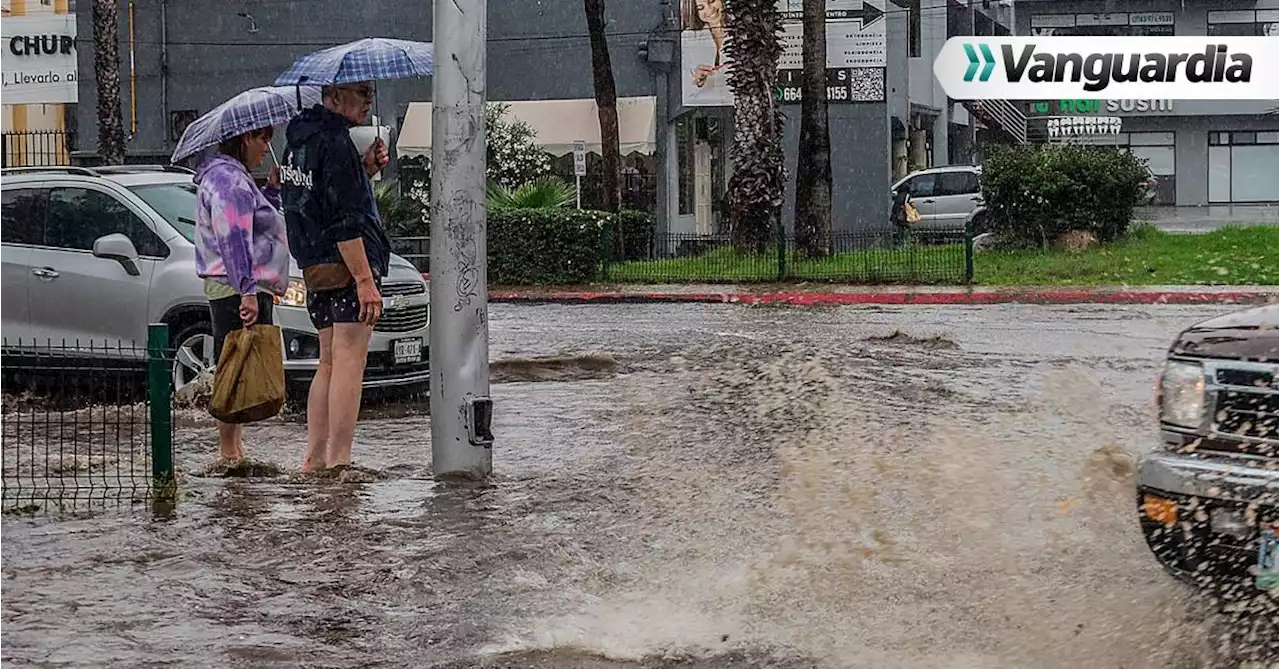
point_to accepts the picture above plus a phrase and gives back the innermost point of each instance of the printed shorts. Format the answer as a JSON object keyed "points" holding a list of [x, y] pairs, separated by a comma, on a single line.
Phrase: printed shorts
{"points": [[334, 306]]}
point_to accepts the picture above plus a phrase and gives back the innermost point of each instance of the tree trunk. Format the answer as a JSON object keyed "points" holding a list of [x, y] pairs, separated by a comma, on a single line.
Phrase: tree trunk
{"points": [[813, 169], [106, 70], [755, 189], [607, 106]]}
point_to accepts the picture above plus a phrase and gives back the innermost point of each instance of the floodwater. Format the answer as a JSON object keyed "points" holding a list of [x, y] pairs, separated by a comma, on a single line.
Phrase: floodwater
{"points": [[716, 486]]}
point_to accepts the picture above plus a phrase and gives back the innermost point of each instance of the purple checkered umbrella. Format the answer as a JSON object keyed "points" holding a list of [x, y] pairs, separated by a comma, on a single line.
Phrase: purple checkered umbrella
{"points": [[370, 59], [251, 110]]}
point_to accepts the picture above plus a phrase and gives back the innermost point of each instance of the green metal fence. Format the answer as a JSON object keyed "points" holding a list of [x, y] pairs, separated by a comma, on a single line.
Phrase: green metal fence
{"points": [[855, 257], [890, 256], [86, 423]]}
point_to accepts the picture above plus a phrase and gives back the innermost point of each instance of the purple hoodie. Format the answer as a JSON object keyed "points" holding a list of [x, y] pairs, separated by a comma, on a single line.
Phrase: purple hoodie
{"points": [[240, 233]]}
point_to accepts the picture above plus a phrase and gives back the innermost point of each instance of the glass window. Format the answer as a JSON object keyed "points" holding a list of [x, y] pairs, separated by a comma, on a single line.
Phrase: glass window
{"points": [[684, 165], [23, 215], [1220, 174], [913, 28], [1232, 30], [1243, 138], [1159, 159], [79, 216], [176, 202], [1254, 173], [956, 183], [1268, 137], [921, 186]]}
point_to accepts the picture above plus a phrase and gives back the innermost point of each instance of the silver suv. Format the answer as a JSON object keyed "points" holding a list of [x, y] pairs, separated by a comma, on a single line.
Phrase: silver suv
{"points": [[944, 196], [91, 256]]}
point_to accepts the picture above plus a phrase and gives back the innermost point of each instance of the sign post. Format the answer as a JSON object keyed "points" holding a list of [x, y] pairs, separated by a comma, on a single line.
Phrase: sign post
{"points": [[461, 410], [579, 166]]}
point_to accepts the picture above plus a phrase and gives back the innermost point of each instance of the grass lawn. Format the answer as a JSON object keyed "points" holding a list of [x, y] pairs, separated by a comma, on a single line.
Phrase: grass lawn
{"points": [[1147, 256], [1229, 256], [921, 264]]}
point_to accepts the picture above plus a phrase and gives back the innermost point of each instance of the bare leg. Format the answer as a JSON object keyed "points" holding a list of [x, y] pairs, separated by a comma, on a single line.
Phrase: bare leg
{"points": [[318, 405], [350, 349], [230, 442]]}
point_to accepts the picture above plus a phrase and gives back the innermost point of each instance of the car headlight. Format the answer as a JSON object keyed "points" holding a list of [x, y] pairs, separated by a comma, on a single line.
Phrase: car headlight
{"points": [[295, 295], [1182, 394]]}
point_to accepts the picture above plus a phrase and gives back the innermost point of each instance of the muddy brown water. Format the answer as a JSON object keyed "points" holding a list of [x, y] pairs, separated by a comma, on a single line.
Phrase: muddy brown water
{"points": [[738, 488]]}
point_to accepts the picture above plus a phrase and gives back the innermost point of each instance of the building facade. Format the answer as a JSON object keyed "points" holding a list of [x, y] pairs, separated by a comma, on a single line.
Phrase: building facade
{"points": [[939, 130], [1202, 152], [40, 80], [179, 59]]}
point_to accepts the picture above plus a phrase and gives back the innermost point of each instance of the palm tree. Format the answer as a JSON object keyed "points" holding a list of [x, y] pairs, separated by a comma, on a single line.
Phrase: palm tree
{"points": [[813, 167], [755, 190], [106, 70], [607, 108]]}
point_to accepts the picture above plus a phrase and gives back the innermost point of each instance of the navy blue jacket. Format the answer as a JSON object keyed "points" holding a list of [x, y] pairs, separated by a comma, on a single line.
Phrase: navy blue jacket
{"points": [[326, 193]]}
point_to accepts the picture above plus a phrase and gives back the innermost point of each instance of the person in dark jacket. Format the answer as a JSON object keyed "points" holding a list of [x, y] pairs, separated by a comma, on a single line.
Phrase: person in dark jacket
{"points": [[336, 236]]}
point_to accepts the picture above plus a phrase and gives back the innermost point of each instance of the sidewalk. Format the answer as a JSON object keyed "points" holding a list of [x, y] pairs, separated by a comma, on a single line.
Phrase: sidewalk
{"points": [[816, 294]]}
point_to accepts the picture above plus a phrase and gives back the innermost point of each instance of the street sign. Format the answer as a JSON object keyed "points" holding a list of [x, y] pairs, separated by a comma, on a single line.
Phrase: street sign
{"points": [[579, 158]]}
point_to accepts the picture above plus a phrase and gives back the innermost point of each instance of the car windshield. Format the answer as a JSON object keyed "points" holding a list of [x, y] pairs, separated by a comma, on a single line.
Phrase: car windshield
{"points": [[176, 202]]}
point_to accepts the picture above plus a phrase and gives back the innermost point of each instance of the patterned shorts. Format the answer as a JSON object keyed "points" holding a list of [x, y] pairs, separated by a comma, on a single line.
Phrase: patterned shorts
{"points": [[334, 306]]}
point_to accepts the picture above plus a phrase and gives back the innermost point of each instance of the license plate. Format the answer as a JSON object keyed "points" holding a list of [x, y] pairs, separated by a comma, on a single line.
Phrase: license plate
{"points": [[1267, 546], [406, 350]]}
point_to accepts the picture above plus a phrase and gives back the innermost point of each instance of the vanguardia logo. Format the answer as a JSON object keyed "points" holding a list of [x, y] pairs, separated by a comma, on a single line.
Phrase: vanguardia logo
{"points": [[1097, 71], [988, 62]]}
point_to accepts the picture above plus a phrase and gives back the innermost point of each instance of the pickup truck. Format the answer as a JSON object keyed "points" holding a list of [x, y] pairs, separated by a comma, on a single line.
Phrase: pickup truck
{"points": [[1207, 494]]}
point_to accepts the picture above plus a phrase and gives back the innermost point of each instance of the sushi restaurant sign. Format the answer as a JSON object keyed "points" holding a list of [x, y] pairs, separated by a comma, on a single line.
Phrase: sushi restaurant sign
{"points": [[39, 59], [1093, 107]]}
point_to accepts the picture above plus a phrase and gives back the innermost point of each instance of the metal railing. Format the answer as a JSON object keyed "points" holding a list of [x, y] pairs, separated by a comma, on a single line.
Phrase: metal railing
{"points": [[1004, 115], [36, 148], [86, 423]]}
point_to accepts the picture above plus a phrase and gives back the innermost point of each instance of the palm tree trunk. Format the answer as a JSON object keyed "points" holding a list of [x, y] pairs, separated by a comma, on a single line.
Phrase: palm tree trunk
{"points": [[813, 169], [106, 70], [607, 107], [755, 189]]}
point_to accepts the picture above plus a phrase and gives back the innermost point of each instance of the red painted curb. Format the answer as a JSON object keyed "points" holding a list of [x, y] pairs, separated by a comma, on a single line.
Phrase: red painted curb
{"points": [[1066, 296]]}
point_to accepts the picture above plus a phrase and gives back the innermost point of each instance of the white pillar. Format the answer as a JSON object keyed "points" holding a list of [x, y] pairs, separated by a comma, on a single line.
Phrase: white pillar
{"points": [[461, 441]]}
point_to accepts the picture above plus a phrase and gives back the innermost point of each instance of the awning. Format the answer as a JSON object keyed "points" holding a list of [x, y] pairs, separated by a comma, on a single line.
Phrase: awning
{"points": [[558, 123]]}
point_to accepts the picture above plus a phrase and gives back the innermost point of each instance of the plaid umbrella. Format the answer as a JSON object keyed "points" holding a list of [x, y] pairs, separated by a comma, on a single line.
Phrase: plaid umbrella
{"points": [[251, 110], [369, 59]]}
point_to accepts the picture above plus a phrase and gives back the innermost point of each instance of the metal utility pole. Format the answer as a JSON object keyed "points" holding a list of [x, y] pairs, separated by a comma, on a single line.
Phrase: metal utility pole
{"points": [[461, 411]]}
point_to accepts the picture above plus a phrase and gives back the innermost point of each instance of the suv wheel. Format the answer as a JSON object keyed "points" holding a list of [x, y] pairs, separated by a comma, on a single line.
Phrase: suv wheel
{"points": [[193, 354]]}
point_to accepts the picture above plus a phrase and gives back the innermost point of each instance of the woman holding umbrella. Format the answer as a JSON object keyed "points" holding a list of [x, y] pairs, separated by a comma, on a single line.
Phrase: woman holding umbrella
{"points": [[241, 246]]}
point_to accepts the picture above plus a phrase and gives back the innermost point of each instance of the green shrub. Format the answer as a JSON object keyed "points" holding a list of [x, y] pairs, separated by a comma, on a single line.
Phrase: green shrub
{"points": [[544, 246], [1034, 193], [638, 229], [541, 193]]}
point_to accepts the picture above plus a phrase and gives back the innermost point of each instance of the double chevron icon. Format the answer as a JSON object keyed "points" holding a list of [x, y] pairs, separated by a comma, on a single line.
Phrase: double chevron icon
{"points": [[988, 62]]}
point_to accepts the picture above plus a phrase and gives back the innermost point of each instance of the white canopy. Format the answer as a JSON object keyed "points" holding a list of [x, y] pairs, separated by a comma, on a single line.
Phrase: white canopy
{"points": [[558, 124]]}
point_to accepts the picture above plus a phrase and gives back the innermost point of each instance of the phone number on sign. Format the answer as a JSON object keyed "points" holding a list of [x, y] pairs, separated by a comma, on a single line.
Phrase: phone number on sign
{"points": [[834, 94]]}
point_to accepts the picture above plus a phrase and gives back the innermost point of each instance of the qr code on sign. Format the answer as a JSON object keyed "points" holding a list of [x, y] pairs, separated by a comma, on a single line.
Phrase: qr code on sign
{"points": [[866, 84]]}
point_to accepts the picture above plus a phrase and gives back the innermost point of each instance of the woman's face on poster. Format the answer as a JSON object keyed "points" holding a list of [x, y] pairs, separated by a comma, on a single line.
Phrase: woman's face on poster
{"points": [[711, 12]]}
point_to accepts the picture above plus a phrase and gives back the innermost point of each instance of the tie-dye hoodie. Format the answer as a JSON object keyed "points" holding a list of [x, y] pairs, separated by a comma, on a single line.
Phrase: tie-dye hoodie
{"points": [[240, 233]]}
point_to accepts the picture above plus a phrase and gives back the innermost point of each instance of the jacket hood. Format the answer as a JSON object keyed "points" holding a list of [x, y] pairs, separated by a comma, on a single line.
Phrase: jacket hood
{"points": [[314, 120], [216, 163]]}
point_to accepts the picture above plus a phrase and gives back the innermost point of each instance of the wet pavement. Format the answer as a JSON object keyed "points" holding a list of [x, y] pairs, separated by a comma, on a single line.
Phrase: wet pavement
{"points": [[715, 486]]}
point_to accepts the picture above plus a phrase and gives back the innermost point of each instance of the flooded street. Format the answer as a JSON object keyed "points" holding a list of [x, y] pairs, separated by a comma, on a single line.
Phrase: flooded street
{"points": [[713, 486]]}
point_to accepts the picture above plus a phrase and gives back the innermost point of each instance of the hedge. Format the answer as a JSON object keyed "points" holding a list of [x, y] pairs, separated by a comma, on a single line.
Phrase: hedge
{"points": [[545, 246], [1034, 193]]}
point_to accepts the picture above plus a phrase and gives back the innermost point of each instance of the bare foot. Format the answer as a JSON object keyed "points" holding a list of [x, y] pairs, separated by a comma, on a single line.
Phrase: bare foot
{"points": [[309, 465]]}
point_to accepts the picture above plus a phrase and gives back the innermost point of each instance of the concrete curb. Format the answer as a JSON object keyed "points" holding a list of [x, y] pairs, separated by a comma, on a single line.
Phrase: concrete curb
{"points": [[922, 297]]}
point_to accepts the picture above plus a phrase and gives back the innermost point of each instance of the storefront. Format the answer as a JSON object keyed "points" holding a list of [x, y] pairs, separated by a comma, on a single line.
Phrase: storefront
{"points": [[1243, 167]]}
